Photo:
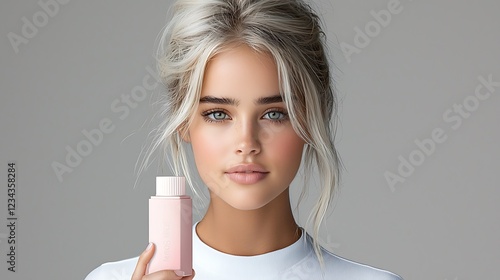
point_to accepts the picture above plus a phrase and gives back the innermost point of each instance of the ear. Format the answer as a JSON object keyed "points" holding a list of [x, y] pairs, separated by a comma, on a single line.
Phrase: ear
{"points": [[186, 138], [184, 134]]}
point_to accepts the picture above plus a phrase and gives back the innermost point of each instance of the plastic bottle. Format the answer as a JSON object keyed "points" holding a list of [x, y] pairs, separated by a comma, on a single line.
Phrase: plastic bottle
{"points": [[170, 226]]}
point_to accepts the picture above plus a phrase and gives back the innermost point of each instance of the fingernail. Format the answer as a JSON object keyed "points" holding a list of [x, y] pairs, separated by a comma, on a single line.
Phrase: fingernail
{"points": [[179, 273], [149, 246]]}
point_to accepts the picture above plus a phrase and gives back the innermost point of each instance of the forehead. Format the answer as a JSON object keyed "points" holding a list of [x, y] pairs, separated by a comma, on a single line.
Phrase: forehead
{"points": [[241, 71]]}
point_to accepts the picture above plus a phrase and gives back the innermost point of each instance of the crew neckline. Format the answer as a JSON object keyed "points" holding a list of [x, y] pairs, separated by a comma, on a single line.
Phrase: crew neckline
{"points": [[206, 258]]}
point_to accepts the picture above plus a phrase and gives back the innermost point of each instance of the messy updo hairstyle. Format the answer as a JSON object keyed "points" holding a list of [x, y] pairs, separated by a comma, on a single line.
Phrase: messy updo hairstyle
{"points": [[290, 31]]}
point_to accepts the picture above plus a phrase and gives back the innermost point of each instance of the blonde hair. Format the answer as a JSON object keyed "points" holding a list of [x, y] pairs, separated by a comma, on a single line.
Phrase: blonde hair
{"points": [[287, 29]]}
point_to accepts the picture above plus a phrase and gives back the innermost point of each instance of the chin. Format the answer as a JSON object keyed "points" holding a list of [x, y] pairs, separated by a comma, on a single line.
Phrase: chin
{"points": [[247, 200], [253, 205], [245, 206]]}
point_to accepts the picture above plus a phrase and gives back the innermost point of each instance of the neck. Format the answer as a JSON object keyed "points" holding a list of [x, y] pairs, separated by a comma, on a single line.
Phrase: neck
{"points": [[249, 232]]}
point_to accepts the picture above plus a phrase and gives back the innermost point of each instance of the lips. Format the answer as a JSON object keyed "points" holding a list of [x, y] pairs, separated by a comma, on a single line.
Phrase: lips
{"points": [[246, 174], [247, 168]]}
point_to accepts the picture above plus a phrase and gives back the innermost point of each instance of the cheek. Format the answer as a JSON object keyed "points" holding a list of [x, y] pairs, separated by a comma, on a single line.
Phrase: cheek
{"points": [[207, 147], [207, 143], [287, 146]]}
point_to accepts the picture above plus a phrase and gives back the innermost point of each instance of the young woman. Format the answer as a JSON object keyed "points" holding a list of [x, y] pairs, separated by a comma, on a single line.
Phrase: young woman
{"points": [[248, 90]]}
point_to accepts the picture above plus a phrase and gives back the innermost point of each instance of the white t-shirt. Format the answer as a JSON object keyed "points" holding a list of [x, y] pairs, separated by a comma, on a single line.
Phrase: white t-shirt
{"points": [[295, 262]]}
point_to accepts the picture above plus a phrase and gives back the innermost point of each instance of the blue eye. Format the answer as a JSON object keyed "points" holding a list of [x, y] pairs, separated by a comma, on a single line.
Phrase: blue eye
{"points": [[215, 116], [218, 115], [274, 115]]}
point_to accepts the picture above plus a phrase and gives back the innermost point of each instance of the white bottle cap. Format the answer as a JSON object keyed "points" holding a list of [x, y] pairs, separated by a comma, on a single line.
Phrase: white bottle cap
{"points": [[170, 186]]}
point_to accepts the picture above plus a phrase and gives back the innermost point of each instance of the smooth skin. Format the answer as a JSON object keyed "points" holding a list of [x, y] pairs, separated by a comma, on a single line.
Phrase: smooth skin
{"points": [[245, 220], [242, 120]]}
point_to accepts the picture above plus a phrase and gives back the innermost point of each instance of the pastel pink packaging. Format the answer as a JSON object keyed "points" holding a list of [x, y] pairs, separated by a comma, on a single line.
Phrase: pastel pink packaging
{"points": [[170, 226]]}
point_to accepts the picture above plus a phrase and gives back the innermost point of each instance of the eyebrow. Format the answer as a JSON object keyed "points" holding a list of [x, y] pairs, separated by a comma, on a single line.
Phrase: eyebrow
{"points": [[234, 102]]}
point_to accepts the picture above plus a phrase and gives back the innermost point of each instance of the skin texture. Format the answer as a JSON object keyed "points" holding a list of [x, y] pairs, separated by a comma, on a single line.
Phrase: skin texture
{"points": [[245, 219], [242, 219]]}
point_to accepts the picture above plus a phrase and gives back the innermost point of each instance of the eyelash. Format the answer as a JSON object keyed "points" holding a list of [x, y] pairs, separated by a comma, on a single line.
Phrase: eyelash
{"points": [[274, 110]]}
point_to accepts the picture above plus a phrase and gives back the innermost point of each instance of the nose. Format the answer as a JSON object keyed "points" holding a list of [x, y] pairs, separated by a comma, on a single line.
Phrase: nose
{"points": [[247, 138]]}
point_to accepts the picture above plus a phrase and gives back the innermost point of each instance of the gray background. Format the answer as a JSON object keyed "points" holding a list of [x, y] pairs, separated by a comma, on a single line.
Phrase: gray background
{"points": [[440, 223]]}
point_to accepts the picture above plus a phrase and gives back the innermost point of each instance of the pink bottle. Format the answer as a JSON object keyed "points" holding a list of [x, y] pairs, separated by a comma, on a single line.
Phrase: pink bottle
{"points": [[170, 226]]}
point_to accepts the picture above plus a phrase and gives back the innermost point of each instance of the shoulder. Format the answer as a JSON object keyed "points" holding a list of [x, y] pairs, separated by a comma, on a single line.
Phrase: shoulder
{"points": [[335, 267], [347, 269], [114, 270]]}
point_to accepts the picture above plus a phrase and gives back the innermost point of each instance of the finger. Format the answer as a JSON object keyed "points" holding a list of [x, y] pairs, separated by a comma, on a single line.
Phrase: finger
{"points": [[167, 275], [142, 263], [189, 277], [164, 275]]}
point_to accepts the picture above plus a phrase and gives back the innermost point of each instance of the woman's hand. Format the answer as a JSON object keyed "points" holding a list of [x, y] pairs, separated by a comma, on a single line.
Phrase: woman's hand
{"points": [[142, 264]]}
